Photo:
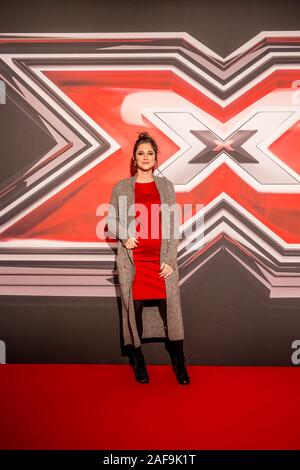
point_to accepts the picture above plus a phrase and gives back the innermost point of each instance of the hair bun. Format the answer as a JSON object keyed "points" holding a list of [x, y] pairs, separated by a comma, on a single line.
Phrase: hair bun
{"points": [[143, 134]]}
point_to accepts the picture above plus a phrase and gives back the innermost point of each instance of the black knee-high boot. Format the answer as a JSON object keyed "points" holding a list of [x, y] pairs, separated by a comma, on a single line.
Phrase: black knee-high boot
{"points": [[175, 348], [139, 366], [137, 357], [178, 361]]}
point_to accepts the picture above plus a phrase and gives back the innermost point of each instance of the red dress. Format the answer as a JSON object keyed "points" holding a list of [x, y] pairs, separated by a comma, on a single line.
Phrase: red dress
{"points": [[146, 283]]}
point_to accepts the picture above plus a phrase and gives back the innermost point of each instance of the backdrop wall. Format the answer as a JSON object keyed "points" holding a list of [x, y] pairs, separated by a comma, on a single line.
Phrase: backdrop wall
{"points": [[217, 85]]}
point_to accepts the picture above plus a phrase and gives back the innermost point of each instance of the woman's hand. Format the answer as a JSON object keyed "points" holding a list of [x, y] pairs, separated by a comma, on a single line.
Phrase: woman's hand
{"points": [[131, 243], [166, 270]]}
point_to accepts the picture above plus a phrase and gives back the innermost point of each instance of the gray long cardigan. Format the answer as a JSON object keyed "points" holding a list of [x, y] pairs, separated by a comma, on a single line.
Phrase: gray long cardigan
{"points": [[121, 224]]}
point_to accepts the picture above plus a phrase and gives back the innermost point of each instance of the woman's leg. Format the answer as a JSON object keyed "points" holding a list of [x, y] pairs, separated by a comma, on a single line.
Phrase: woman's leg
{"points": [[162, 307], [175, 347], [138, 360], [138, 310]]}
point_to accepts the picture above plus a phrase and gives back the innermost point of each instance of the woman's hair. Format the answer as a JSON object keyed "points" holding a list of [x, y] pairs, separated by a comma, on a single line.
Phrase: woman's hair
{"points": [[144, 138]]}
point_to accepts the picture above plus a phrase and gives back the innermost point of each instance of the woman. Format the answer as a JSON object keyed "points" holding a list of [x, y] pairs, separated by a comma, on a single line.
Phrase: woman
{"points": [[147, 265]]}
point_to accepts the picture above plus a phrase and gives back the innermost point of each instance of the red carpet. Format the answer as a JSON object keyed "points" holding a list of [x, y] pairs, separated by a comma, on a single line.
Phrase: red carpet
{"points": [[49, 406]]}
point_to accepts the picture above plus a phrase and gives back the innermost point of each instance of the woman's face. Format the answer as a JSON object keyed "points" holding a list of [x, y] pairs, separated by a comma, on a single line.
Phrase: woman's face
{"points": [[145, 156]]}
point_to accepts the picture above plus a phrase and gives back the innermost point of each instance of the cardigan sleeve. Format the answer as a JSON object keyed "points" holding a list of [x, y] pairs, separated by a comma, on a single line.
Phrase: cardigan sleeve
{"points": [[171, 256], [114, 224]]}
